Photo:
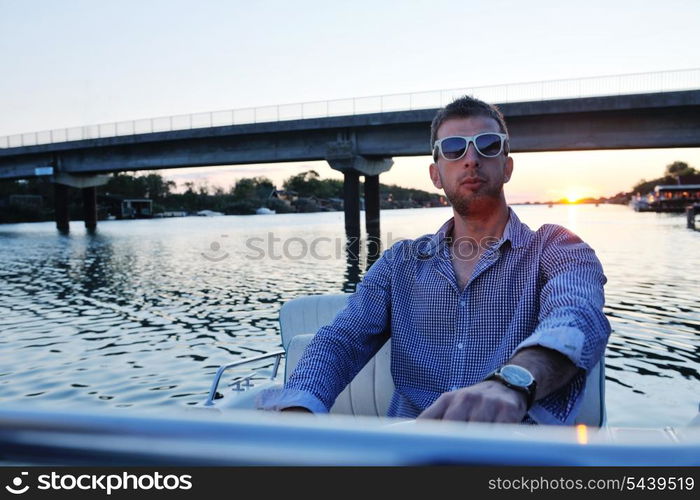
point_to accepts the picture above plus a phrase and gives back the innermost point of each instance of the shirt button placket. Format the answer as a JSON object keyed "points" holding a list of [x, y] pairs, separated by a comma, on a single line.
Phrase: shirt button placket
{"points": [[460, 358], [457, 358]]}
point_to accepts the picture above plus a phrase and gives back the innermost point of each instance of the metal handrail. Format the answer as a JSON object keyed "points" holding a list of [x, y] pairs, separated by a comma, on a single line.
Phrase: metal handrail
{"points": [[630, 83], [217, 378]]}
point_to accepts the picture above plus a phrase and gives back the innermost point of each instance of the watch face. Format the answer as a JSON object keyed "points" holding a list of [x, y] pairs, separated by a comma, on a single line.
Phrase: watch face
{"points": [[516, 375]]}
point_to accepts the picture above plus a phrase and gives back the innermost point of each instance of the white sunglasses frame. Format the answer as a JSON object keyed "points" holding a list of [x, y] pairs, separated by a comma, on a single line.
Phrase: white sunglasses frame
{"points": [[470, 139]]}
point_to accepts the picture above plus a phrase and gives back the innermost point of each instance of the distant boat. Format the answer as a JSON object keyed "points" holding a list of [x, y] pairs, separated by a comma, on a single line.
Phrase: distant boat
{"points": [[208, 213], [639, 204], [264, 211], [175, 213]]}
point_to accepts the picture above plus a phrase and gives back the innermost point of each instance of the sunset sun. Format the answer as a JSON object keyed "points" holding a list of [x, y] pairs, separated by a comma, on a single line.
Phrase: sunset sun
{"points": [[574, 194], [572, 197]]}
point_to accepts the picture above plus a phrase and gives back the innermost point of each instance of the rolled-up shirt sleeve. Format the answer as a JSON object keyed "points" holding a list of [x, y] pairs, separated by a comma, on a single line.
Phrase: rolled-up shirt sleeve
{"points": [[279, 399], [339, 350], [571, 319]]}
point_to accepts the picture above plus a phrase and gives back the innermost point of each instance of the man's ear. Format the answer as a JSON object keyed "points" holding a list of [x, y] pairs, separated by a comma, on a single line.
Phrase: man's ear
{"points": [[435, 176], [508, 169]]}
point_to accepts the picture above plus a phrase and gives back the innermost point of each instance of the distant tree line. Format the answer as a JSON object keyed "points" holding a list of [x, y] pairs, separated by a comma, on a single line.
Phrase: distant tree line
{"points": [[303, 192], [32, 200]]}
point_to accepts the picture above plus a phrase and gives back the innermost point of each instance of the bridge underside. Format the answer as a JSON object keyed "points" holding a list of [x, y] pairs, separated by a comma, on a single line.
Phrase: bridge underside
{"points": [[669, 120], [635, 129]]}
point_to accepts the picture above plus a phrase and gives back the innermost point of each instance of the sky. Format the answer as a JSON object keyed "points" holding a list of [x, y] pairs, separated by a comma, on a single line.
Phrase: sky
{"points": [[73, 63]]}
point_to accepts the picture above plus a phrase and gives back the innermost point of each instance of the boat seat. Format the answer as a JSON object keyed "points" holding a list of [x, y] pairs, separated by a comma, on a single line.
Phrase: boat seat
{"points": [[371, 390]]}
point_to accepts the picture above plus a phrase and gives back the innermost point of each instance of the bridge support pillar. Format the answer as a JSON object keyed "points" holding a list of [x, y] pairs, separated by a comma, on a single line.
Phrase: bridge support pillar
{"points": [[372, 204], [341, 156], [90, 207], [351, 205], [60, 195], [88, 185]]}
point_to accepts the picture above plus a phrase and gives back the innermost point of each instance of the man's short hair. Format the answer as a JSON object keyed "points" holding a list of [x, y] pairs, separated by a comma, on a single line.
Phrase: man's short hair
{"points": [[466, 107]]}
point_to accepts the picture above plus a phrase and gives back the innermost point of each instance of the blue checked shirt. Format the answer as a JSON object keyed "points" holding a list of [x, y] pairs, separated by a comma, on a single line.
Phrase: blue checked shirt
{"points": [[529, 288]]}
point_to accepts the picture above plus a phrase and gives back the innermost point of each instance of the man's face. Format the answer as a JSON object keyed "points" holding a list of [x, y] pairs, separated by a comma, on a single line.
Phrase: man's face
{"points": [[473, 183]]}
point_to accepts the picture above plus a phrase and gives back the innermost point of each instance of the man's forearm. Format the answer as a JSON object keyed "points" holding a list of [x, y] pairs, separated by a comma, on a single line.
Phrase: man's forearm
{"points": [[551, 369]]}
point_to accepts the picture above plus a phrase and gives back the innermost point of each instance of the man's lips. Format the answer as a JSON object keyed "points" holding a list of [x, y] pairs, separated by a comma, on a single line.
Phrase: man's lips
{"points": [[471, 182]]}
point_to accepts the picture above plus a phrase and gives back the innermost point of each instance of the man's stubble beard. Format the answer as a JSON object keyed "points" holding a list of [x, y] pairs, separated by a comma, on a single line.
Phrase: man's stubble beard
{"points": [[486, 198]]}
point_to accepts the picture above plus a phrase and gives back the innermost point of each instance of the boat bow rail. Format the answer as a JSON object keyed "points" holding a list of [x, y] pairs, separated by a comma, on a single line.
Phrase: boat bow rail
{"points": [[243, 382]]}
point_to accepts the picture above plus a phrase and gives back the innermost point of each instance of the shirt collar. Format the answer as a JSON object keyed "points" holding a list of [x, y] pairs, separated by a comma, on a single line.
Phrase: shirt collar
{"points": [[515, 231], [428, 248]]}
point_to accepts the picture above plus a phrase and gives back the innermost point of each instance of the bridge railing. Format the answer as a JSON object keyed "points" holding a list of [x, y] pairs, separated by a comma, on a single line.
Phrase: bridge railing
{"points": [[634, 83]]}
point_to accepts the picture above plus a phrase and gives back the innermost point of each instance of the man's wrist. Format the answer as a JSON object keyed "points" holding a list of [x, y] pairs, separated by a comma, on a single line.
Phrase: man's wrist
{"points": [[518, 379], [551, 368]]}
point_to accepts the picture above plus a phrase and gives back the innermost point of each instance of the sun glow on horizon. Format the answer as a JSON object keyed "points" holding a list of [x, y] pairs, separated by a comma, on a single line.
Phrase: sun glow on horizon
{"points": [[574, 194], [572, 198]]}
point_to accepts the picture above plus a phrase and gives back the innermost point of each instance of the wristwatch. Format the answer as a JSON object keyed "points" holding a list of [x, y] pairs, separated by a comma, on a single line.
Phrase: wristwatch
{"points": [[518, 378]]}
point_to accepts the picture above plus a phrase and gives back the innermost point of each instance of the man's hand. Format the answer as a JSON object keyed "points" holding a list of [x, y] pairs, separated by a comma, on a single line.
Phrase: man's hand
{"points": [[488, 401]]}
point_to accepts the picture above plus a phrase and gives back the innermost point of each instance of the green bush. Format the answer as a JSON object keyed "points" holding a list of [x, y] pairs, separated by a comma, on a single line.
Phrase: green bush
{"points": [[242, 207], [279, 206]]}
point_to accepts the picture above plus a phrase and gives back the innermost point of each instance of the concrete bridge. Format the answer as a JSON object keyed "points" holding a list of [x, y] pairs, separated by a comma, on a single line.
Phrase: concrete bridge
{"points": [[360, 144]]}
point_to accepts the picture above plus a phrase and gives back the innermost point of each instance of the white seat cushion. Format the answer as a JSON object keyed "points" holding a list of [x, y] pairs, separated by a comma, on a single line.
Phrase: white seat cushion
{"points": [[370, 391]]}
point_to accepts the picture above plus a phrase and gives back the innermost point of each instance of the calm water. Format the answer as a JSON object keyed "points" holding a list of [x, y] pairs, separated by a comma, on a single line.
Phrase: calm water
{"points": [[141, 313]]}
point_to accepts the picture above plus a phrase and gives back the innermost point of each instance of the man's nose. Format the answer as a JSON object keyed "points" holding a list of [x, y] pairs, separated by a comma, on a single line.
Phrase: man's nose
{"points": [[471, 157]]}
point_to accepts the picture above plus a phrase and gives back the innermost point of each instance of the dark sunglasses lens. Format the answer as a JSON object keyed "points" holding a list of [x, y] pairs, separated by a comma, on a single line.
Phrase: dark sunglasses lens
{"points": [[488, 144], [453, 147]]}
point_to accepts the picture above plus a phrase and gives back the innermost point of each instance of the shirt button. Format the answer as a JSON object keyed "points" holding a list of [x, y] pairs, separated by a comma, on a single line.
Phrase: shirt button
{"points": [[460, 345], [461, 303], [454, 388]]}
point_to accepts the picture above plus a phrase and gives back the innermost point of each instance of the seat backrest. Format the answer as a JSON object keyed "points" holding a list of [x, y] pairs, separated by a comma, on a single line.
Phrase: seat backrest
{"points": [[370, 391], [309, 313]]}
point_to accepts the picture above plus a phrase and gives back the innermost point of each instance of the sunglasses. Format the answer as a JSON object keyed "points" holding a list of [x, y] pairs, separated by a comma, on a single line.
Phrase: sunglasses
{"points": [[488, 145]]}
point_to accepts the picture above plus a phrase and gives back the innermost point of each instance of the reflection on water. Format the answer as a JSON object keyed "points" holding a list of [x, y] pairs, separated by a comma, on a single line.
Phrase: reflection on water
{"points": [[142, 312]]}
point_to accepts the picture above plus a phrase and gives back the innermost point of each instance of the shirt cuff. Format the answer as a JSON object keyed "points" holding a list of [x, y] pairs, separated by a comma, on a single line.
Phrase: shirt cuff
{"points": [[564, 339], [279, 399]]}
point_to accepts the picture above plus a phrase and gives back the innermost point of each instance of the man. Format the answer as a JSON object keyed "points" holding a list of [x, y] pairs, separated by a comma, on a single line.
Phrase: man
{"points": [[489, 320]]}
